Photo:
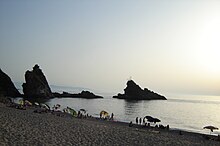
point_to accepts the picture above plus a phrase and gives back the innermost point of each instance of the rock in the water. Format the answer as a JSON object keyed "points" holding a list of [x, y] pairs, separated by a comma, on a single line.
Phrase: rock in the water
{"points": [[36, 85], [83, 94], [7, 87], [134, 92], [89, 95]]}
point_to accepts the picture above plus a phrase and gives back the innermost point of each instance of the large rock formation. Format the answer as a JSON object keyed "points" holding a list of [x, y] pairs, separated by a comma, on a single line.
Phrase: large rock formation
{"points": [[36, 85], [134, 92], [7, 88]]}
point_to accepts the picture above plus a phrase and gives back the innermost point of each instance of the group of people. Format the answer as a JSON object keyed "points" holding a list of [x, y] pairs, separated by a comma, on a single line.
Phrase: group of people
{"points": [[139, 121]]}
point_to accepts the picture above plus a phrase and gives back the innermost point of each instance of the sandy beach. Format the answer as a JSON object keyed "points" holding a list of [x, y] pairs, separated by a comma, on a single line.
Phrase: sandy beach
{"points": [[25, 128]]}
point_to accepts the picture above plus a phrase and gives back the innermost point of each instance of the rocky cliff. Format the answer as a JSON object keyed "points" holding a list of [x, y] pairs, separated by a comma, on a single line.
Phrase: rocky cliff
{"points": [[7, 88], [134, 92], [36, 85]]}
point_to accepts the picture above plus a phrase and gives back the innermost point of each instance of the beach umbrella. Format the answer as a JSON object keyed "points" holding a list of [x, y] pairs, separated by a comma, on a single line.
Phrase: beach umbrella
{"points": [[104, 114], [155, 120], [44, 105], [72, 111], [21, 101], [83, 110], [211, 128], [152, 119], [149, 118], [28, 103]]}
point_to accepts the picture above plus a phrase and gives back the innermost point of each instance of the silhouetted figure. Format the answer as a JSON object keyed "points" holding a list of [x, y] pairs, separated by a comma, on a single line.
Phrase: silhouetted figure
{"points": [[112, 116], [78, 115], [140, 120], [143, 121], [130, 124], [168, 127], [137, 120], [162, 127]]}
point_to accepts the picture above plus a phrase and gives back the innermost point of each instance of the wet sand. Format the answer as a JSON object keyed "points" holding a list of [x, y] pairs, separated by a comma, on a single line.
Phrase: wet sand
{"points": [[24, 127]]}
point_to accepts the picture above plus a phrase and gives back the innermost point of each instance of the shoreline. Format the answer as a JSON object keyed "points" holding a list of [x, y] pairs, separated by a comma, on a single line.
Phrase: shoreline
{"points": [[24, 127], [200, 131]]}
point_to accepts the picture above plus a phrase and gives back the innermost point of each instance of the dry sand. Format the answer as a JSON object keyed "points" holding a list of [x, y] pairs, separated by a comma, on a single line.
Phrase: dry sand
{"points": [[26, 128]]}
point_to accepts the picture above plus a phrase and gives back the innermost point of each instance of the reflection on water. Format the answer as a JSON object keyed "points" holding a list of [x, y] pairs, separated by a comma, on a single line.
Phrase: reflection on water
{"points": [[131, 107], [195, 101]]}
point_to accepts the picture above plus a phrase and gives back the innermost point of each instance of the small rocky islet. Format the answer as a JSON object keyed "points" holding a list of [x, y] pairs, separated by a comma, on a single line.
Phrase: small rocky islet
{"points": [[36, 86], [134, 92], [83, 94]]}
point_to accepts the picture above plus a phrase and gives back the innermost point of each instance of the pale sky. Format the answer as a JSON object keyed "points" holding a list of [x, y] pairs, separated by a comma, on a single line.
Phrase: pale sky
{"points": [[168, 46]]}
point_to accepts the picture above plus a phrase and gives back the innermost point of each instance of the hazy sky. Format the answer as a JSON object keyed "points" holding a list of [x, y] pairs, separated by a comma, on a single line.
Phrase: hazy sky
{"points": [[169, 46]]}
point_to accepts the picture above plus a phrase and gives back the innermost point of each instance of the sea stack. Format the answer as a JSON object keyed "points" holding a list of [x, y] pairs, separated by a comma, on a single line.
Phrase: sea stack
{"points": [[7, 87], [134, 92], [36, 85]]}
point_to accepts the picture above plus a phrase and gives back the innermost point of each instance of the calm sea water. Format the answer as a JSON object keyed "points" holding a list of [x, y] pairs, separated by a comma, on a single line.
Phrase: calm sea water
{"points": [[190, 113], [186, 112]]}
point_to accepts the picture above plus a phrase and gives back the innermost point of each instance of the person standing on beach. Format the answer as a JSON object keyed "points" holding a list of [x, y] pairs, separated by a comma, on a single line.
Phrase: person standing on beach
{"points": [[137, 120], [78, 115], [130, 124], [112, 116], [100, 115]]}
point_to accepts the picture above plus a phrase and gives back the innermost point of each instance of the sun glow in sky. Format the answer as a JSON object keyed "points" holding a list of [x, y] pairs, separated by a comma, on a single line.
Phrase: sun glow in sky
{"points": [[167, 46], [210, 46]]}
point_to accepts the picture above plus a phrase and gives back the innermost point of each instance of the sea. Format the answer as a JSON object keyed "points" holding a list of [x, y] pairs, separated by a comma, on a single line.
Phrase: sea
{"points": [[181, 112]]}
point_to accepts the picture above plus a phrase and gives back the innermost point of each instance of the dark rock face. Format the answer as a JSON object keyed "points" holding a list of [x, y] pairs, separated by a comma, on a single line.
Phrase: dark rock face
{"points": [[7, 88], [87, 94], [134, 92], [36, 85], [83, 94]]}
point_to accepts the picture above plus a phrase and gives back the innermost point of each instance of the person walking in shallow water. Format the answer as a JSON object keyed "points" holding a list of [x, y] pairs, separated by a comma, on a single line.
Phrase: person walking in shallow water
{"points": [[136, 120]]}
